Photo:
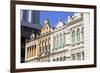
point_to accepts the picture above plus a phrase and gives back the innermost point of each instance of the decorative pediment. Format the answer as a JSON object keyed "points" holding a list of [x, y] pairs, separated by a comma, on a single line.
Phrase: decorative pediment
{"points": [[46, 28]]}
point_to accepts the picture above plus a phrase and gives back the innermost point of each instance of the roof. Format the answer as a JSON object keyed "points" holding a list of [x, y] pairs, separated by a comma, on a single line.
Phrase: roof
{"points": [[31, 25]]}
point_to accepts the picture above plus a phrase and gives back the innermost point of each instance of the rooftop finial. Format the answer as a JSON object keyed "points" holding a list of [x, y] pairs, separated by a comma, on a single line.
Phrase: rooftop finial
{"points": [[46, 21]]}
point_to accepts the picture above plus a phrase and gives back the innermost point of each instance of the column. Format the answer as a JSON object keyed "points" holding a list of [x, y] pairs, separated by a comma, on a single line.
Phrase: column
{"points": [[31, 51], [48, 45], [61, 40], [64, 39], [27, 52], [58, 40]]}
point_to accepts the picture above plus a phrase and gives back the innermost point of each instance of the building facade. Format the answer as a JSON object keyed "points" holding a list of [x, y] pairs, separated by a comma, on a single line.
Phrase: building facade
{"points": [[42, 45], [61, 42], [64, 43]]}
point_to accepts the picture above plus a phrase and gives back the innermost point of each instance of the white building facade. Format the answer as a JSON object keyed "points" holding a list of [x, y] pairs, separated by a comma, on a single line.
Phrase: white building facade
{"points": [[60, 42], [69, 41]]}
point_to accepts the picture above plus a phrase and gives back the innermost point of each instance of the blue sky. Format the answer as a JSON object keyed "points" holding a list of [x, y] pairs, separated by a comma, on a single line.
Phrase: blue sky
{"points": [[54, 16]]}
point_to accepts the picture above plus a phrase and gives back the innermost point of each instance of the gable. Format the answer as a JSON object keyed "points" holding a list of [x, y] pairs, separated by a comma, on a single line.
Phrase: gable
{"points": [[46, 28]]}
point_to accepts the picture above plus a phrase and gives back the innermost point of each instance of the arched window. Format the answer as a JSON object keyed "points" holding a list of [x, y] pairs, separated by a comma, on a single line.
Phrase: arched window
{"points": [[73, 56], [49, 48], [57, 40], [63, 39], [82, 33], [45, 46], [53, 42], [42, 49], [64, 42], [60, 40], [73, 36], [78, 34], [49, 45]]}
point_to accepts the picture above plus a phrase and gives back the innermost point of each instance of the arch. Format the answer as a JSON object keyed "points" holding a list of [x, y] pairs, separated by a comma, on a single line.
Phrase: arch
{"points": [[42, 46], [57, 40], [78, 34], [61, 40], [73, 36]]}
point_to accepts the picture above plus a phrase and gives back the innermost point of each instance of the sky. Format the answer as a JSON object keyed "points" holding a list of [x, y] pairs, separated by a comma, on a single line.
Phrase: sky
{"points": [[54, 17]]}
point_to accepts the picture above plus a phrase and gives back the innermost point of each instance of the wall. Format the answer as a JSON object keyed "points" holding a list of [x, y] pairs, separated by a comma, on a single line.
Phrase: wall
{"points": [[5, 37]]}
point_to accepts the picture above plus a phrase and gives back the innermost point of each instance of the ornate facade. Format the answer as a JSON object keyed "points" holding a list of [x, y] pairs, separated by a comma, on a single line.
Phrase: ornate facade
{"points": [[64, 43], [42, 45], [68, 39]]}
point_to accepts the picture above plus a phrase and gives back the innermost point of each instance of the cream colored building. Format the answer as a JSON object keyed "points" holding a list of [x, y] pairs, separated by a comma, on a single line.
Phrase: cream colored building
{"points": [[44, 40], [38, 49]]}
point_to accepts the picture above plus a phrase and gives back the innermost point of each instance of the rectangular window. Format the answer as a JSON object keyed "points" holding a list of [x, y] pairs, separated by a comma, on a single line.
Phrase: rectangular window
{"points": [[79, 56], [73, 57]]}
